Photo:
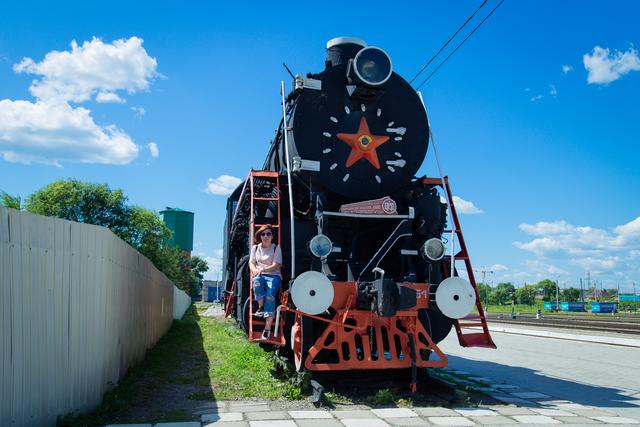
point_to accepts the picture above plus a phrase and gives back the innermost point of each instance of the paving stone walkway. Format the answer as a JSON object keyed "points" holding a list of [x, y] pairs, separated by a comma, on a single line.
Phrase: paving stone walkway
{"points": [[530, 408]]}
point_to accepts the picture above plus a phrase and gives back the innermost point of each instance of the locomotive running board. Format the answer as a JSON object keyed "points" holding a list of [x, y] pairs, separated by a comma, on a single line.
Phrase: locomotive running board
{"points": [[466, 339]]}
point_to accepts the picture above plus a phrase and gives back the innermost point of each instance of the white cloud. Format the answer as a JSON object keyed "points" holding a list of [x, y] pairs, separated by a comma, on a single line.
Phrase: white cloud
{"points": [[541, 268], [106, 97], [542, 228], [222, 185], [138, 111], [215, 264], [566, 69], [605, 67], [50, 130], [465, 207], [628, 231], [53, 133], [498, 267], [93, 67], [153, 149], [552, 90], [536, 98], [559, 236], [596, 263], [588, 248]]}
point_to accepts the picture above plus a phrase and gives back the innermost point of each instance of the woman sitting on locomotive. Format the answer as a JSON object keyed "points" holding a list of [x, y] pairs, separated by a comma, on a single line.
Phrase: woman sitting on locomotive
{"points": [[265, 262]]}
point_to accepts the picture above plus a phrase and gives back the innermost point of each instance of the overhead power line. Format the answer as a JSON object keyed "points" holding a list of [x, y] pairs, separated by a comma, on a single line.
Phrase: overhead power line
{"points": [[448, 41], [459, 46]]}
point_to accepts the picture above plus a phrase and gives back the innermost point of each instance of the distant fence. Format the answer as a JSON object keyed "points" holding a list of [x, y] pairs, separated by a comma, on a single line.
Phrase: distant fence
{"points": [[78, 306]]}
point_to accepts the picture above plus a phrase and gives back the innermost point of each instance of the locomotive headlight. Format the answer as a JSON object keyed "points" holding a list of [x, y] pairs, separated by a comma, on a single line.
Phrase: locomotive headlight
{"points": [[320, 246], [372, 66], [433, 249]]}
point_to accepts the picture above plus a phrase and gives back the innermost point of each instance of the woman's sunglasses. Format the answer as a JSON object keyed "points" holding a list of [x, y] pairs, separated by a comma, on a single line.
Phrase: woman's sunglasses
{"points": [[267, 233]]}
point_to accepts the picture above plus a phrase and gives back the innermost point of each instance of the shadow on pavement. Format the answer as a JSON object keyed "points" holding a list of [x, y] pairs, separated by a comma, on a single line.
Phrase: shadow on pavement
{"points": [[557, 388]]}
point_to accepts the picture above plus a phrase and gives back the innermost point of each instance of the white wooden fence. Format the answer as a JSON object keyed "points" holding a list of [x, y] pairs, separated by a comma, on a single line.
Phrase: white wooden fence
{"points": [[78, 306]]}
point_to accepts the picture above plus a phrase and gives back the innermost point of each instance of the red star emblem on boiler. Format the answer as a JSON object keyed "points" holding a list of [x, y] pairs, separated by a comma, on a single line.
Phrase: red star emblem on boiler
{"points": [[363, 144]]}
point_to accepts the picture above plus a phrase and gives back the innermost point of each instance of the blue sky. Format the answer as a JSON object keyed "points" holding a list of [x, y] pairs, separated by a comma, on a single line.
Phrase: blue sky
{"points": [[536, 117]]}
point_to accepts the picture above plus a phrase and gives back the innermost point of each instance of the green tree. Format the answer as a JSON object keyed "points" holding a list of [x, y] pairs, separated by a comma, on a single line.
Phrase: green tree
{"points": [[198, 267], [147, 232], [612, 293], [484, 291], [83, 202], [526, 294], [502, 294], [571, 294], [191, 273], [9, 201], [548, 289]]}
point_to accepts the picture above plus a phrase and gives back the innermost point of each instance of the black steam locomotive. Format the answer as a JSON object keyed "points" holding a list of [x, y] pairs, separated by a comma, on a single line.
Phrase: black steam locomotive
{"points": [[361, 236]]}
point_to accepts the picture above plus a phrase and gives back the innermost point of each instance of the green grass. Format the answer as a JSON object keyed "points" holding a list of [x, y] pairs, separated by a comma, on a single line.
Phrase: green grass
{"points": [[198, 359], [237, 368], [539, 305], [382, 397], [519, 308]]}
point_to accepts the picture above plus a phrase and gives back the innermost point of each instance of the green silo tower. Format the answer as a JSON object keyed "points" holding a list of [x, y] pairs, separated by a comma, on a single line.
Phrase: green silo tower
{"points": [[180, 222]]}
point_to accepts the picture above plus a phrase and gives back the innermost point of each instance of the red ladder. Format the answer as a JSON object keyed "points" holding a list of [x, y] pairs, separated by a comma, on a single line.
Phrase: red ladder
{"points": [[466, 339], [272, 179]]}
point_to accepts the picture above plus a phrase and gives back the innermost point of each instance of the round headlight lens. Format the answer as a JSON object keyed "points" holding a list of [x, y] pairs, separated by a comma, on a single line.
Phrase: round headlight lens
{"points": [[433, 249], [320, 246], [372, 66]]}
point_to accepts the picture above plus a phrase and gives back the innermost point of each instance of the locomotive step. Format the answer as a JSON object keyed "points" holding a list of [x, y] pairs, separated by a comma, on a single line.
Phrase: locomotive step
{"points": [[270, 225], [264, 174], [470, 325], [258, 321], [266, 199], [257, 336]]}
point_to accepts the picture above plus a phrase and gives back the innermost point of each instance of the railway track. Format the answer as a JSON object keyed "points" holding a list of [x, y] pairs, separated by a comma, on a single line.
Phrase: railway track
{"points": [[625, 326]]}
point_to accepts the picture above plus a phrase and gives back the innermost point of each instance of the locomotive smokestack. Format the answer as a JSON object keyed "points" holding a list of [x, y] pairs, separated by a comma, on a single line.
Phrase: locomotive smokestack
{"points": [[341, 49]]}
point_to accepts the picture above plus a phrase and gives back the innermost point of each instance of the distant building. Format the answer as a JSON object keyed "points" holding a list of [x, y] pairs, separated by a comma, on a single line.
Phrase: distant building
{"points": [[180, 222], [212, 290]]}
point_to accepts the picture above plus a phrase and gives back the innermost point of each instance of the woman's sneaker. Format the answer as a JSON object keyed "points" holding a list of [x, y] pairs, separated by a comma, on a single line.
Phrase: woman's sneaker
{"points": [[259, 313], [266, 335]]}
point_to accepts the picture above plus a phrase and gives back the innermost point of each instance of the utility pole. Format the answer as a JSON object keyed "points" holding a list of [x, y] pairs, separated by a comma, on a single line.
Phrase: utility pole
{"points": [[484, 272], [581, 292], [557, 296]]}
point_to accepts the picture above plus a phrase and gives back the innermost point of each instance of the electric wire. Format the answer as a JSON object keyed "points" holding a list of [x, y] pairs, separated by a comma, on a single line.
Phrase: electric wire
{"points": [[448, 41], [459, 46]]}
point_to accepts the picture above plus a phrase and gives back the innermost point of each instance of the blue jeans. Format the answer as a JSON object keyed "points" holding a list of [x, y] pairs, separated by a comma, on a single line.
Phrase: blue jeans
{"points": [[266, 287]]}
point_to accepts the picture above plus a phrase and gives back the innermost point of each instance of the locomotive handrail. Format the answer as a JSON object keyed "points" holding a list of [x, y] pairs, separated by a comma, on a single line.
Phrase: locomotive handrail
{"points": [[285, 132], [396, 235]]}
